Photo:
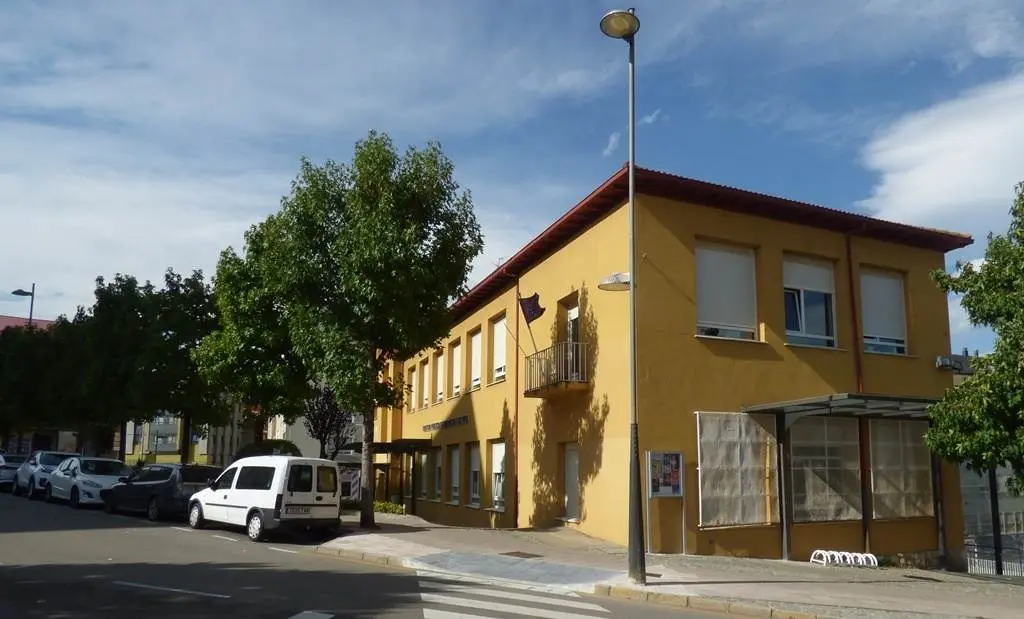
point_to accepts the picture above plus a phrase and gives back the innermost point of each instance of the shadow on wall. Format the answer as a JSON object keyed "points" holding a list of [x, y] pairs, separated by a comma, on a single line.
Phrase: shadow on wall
{"points": [[566, 417]]}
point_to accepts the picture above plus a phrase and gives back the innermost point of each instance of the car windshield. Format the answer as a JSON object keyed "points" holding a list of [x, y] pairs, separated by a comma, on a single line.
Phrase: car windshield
{"points": [[53, 459], [14, 459], [199, 474], [104, 467]]}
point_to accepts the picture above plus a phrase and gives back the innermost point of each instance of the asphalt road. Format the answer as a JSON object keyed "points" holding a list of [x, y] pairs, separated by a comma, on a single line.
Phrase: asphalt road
{"points": [[60, 563]]}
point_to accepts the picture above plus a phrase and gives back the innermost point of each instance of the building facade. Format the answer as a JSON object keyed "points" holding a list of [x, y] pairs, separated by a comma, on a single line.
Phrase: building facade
{"points": [[786, 355]]}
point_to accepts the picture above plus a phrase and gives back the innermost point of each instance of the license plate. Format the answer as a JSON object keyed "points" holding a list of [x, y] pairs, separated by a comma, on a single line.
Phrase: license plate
{"points": [[296, 510]]}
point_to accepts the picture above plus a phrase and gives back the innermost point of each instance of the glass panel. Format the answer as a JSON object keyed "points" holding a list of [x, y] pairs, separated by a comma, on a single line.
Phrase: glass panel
{"points": [[792, 310], [818, 313]]}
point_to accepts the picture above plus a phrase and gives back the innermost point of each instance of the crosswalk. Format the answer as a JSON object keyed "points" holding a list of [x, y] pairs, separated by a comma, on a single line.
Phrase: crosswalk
{"points": [[443, 599]]}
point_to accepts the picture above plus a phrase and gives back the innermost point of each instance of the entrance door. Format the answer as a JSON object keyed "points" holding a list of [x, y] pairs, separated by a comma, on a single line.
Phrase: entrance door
{"points": [[572, 481], [573, 343]]}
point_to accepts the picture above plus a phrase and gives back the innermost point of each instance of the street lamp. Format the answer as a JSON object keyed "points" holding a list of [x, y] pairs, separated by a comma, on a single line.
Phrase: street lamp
{"points": [[21, 292], [624, 24]]}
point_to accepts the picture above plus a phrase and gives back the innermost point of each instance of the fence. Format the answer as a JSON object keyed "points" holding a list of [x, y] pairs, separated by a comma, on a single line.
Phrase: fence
{"points": [[982, 559]]}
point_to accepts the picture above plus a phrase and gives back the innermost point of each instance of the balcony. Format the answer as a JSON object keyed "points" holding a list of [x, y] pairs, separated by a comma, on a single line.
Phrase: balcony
{"points": [[563, 367]]}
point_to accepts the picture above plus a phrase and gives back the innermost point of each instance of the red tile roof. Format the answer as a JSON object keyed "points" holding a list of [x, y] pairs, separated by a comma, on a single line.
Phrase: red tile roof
{"points": [[614, 192], [15, 321]]}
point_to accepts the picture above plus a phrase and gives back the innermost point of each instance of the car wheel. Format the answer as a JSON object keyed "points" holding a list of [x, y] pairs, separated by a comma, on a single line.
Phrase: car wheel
{"points": [[74, 499], [30, 492], [153, 510], [195, 516], [48, 494], [254, 527]]}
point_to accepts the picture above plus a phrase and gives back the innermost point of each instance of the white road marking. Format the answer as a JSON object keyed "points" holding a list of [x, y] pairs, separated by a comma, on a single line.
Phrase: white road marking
{"points": [[311, 614], [291, 552], [226, 539], [430, 613], [512, 609], [183, 529], [510, 595], [139, 585]]}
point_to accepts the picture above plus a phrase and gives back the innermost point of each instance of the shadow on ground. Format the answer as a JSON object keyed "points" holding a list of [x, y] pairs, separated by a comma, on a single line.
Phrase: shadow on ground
{"points": [[199, 591]]}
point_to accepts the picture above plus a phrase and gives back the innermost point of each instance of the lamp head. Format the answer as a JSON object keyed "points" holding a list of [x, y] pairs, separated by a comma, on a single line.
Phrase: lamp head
{"points": [[21, 293], [616, 282], [620, 24]]}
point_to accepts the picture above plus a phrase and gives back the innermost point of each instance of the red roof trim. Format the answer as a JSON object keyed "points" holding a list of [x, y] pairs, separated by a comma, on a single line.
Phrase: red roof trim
{"points": [[613, 192]]}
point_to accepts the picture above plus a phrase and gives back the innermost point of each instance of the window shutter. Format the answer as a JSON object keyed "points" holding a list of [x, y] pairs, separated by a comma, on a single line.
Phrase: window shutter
{"points": [[883, 304], [726, 287], [499, 347], [474, 351], [808, 274]]}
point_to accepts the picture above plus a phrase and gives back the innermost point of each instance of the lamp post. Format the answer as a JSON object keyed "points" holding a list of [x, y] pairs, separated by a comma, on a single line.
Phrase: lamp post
{"points": [[624, 24], [21, 292]]}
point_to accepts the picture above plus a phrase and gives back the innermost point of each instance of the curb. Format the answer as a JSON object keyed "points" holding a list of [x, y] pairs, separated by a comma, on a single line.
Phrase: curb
{"points": [[363, 557], [698, 602]]}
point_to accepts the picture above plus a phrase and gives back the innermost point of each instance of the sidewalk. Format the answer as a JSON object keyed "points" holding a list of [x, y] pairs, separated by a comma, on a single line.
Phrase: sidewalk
{"points": [[564, 560]]}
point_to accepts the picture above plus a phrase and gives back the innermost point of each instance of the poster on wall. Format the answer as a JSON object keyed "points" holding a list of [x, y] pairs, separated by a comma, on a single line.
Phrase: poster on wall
{"points": [[350, 484], [665, 474]]}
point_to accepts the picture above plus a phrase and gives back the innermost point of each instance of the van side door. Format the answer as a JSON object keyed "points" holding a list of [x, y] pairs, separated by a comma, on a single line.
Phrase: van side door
{"points": [[253, 488]]}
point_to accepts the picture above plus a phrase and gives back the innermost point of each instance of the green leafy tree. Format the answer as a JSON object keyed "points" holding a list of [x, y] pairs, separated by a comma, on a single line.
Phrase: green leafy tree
{"points": [[980, 422], [24, 397], [365, 259]]}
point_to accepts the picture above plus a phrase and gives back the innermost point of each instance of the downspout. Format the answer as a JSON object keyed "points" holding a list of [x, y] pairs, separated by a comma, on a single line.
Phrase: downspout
{"points": [[515, 416], [863, 429]]}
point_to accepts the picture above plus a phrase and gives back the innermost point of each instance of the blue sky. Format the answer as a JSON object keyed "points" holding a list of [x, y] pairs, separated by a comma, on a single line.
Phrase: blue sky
{"points": [[140, 135]]}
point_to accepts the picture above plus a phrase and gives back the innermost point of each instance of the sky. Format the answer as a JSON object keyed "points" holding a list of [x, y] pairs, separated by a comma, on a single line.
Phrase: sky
{"points": [[137, 136]]}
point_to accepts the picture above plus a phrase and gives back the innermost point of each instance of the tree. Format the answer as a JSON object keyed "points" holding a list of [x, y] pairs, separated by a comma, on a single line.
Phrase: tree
{"points": [[365, 259], [980, 422], [327, 422], [250, 356]]}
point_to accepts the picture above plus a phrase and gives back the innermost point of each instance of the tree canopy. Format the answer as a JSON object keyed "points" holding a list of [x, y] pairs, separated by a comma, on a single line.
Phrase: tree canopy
{"points": [[327, 422], [980, 422]]}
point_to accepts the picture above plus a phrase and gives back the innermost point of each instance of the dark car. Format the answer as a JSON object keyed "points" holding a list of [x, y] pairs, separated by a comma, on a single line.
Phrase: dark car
{"points": [[158, 490]]}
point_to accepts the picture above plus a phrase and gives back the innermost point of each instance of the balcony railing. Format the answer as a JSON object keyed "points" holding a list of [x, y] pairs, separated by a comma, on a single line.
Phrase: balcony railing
{"points": [[563, 366]]}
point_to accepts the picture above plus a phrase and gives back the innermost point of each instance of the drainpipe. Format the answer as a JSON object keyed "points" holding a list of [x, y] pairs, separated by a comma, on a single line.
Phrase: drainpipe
{"points": [[863, 429], [515, 416]]}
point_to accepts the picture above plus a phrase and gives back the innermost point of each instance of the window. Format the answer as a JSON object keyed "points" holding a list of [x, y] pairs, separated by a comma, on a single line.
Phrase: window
{"points": [[474, 474], [901, 470], [111, 468], [426, 388], [419, 479], [438, 477], [726, 292], [883, 305], [198, 474], [736, 468], [499, 337], [810, 302], [439, 371], [498, 475], [454, 474], [154, 474], [825, 456], [300, 478], [414, 393], [327, 479], [456, 356], [255, 478], [226, 479], [475, 342]]}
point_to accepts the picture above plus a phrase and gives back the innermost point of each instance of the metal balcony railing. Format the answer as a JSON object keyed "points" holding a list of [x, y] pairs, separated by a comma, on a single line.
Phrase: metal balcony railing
{"points": [[564, 364]]}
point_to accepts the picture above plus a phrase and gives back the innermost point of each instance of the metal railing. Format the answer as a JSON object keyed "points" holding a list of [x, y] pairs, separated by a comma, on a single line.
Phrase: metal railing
{"points": [[981, 559], [565, 362]]}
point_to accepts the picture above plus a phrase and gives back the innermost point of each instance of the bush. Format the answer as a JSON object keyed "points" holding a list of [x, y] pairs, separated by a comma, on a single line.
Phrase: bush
{"points": [[381, 507], [266, 448]]}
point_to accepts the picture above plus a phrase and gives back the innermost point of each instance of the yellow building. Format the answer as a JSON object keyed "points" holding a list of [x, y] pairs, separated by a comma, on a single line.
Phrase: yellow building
{"points": [[158, 441], [772, 336]]}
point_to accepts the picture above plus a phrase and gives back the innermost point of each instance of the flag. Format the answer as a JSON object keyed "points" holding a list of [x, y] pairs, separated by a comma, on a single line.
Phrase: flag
{"points": [[531, 307]]}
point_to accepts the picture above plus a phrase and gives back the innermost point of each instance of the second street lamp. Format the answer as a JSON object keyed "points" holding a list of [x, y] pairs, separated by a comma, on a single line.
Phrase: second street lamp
{"points": [[624, 24], [21, 292]]}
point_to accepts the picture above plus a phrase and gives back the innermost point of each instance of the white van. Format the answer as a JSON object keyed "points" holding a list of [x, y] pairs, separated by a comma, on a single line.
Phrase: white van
{"points": [[268, 493]]}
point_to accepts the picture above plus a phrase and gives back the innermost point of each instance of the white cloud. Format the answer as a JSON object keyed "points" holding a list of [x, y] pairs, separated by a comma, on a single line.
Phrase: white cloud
{"points": [[613, 144], [651, 118]]}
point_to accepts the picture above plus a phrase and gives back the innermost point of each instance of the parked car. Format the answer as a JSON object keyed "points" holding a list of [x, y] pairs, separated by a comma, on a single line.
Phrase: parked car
{"points": [[33, 475], [79, 481], [9, 470], [158, 490], [268, 493]]}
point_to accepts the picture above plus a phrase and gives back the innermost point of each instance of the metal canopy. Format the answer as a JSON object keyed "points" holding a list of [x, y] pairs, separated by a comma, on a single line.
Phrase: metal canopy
{"points": [[402, 446], [846, 405]]}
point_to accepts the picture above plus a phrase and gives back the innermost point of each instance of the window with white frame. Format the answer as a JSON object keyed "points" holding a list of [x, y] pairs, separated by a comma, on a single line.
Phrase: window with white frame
{"points": [[498, 475], [419, 476], [427, 387], [475, 346], [901, 470], [454, 472], [809, 292], [474, 474], [456, 354], [439, 372], [499, 337], [883, 307], [736, 469], [414, 393], [438, 473], [726, 292], [825, 461]]}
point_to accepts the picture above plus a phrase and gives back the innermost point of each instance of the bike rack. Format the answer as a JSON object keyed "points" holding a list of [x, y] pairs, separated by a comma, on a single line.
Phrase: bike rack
{"points": [[843, 558]]}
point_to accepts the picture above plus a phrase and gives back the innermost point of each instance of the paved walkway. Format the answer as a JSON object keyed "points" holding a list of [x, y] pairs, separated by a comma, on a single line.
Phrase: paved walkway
{"points": [[561, 559]]}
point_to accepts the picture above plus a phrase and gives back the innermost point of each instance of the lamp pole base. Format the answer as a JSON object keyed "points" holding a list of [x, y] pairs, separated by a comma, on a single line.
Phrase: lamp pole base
{"points": [[635, 548]]}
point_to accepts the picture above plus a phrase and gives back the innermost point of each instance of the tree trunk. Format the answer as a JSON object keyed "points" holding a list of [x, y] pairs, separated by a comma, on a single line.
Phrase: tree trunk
{"points": [[366, 485], [185, 448], [323, 449]]}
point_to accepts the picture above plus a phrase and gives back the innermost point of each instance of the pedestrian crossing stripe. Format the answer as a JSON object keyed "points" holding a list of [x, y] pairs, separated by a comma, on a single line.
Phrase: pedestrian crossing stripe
{"points": [[512, 595], [448, 596], [311, 614]]}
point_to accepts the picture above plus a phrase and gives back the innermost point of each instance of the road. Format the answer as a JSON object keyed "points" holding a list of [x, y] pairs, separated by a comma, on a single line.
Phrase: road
{"points": [[60, 563]]}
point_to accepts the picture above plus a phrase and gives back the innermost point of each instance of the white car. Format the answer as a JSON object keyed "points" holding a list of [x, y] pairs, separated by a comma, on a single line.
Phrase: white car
{"points": [[9, 470], [268, 493], [79, 480], [34, 474]]}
